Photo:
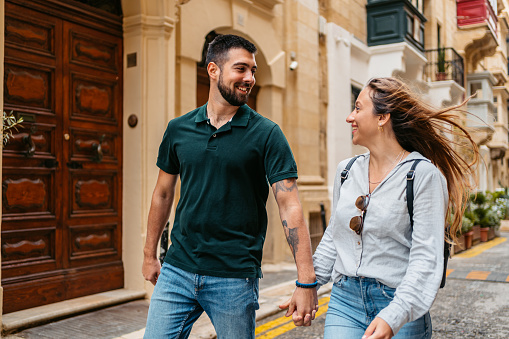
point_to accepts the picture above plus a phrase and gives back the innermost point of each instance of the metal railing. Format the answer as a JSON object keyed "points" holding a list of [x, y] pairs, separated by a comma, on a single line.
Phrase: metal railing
{"points": [[444, 64]]}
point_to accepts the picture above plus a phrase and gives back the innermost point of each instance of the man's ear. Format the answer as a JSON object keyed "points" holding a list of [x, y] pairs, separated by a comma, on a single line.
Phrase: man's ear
{"points": [[213, 70]]}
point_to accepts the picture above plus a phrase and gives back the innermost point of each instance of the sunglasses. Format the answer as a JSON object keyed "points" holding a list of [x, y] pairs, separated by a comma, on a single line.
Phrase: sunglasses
{"points": [[357, 223]]}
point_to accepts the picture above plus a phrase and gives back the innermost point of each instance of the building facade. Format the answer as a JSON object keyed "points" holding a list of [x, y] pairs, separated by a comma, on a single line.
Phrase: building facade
{"points": [[97, 87]]}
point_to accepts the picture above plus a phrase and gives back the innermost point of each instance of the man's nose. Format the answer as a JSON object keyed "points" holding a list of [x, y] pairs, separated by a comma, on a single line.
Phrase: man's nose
{"points": [[249, 77]]}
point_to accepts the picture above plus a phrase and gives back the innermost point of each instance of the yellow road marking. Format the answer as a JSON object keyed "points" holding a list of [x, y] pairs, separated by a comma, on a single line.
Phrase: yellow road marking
{"points": [[481, 248], [290, 326], [287, 321], [478, 275], [449, 271], [272, 324]]}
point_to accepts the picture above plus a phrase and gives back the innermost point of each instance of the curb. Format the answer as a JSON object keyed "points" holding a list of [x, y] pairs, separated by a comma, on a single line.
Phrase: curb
{"points": [[16, 321]]}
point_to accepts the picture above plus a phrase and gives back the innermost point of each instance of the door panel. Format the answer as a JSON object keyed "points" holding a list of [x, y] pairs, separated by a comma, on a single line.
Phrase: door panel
{"points": [[93, 98], [85, 143], [93, 193], [27, 252], [36, 36], [61, 179], [93, 241]]}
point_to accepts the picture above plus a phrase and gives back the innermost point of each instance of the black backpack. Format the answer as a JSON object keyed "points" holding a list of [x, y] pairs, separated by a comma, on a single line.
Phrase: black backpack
{"points": [[410, 204]]}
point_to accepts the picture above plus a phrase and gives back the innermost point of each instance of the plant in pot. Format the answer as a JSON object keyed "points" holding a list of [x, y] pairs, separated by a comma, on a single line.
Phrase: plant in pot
{"points": [[489, 220], [478, 205], [442, 64], [500, 204], [464, 235], [466, 230]]}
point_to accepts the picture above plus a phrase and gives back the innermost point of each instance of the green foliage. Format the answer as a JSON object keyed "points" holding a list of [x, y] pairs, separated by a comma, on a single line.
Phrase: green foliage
{"points": [[466, 225], [9, 123], [442, 64], [487, 209]]}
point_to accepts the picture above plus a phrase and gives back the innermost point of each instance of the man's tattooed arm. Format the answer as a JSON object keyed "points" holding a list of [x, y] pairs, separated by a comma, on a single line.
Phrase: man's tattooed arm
{"points": [[304, 301], [292, 237], [286, 185]]}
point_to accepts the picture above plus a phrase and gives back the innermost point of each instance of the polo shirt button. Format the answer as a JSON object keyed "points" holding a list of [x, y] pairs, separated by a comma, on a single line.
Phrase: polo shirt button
{"points": [[214, 135], [358, 242]]}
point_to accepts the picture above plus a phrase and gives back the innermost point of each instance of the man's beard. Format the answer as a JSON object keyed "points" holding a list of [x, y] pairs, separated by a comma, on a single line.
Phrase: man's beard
{"points": [[229, 94]]}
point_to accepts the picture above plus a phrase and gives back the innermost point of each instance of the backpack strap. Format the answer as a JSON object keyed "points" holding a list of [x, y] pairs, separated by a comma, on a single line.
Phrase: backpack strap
{"points": [[410, 191], [410, 204], [344, 174]]}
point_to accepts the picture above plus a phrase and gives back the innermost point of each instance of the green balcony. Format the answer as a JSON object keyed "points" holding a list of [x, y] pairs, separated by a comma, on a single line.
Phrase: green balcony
{"points": [[393, 21]]}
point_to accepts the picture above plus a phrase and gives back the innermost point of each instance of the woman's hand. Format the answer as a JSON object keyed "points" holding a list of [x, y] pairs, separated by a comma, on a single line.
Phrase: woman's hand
{"points": [[378, 329], [302, 318]]}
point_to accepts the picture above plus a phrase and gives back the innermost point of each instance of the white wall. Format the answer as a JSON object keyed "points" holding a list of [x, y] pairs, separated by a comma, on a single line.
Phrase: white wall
{"points": [[347, 64]]}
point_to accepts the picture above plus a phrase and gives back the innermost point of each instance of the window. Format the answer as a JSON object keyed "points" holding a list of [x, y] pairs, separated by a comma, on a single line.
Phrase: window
{"points": [[355, 93], [410, 25], [439, 34], [353, 97], [476, 87], [495, 110]]}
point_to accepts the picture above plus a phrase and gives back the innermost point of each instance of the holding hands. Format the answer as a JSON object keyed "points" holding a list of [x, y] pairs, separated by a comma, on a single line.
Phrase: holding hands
{"points": [[302, 306]]}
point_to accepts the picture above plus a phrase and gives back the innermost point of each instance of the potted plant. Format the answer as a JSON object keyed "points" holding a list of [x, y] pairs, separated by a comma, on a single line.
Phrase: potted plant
{"points": [[499, 205], [442, 65], [466, 233], [477, 205], [489, 220]]}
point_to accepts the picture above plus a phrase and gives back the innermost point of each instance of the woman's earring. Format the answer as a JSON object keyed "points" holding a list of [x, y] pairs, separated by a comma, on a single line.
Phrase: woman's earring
{"points": [[380, 128]]}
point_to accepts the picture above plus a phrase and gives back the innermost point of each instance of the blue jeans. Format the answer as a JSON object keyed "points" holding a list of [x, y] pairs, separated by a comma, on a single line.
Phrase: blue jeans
{"points": [[180, 298], [355, 302]]}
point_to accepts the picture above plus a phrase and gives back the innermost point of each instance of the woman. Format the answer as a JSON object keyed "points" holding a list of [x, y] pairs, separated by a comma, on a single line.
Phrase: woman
{"points": [[387, 273]]}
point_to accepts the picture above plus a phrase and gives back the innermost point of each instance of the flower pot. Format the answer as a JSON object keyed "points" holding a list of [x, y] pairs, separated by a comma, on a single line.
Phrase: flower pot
{"points": [[468, 237], [441, 76], [491, 233], [476, 235], [484, 234], [460, 244]]}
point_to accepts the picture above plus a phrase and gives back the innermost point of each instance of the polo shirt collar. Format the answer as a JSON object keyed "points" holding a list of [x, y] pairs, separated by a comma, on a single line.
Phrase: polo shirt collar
{"points": [[202, 114], [241, 118]]}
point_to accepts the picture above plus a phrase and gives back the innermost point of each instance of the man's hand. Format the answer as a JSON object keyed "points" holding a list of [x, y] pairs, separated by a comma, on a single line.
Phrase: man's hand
{"points": [[160, 207], [378, 329], [302, 306], [151, 269]]}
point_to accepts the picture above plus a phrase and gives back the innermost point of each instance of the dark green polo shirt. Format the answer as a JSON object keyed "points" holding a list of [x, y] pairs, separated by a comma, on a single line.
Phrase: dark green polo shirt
{"points": [[221, 219]]}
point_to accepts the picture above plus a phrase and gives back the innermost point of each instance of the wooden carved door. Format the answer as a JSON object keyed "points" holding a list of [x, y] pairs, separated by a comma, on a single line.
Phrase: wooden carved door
{"points": [[62, 176]]}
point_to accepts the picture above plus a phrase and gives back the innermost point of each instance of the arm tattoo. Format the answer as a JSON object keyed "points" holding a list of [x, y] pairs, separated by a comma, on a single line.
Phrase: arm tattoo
{"points": [[286, 185], [292, 237]]}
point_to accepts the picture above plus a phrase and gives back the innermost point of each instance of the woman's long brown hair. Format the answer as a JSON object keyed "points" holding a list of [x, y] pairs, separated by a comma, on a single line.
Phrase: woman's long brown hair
{"points": [[437, 134]]}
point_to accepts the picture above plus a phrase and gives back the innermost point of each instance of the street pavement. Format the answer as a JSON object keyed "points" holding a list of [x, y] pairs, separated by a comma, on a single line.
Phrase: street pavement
{"points": [[473, 304]]}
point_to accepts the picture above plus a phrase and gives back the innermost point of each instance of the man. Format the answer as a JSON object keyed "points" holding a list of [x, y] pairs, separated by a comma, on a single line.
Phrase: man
{"points": [[224, 153]]}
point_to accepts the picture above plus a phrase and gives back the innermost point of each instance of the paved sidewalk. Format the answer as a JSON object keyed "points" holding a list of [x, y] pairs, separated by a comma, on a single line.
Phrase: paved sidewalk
{"points": [[127, 321]]}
